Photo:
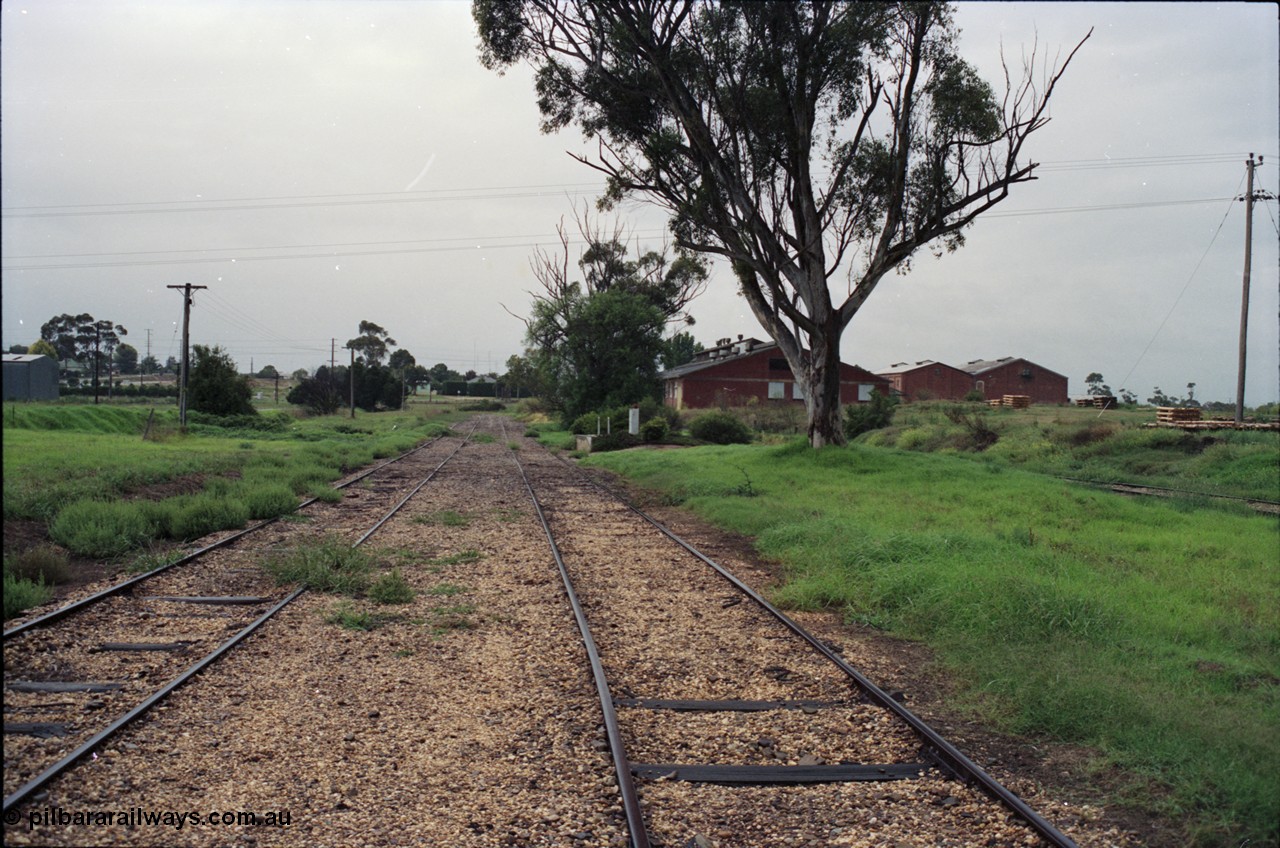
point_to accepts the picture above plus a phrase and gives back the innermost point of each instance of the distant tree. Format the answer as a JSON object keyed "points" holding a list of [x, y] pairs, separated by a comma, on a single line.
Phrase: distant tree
{"points": [[1096, 387], [18, 349], [70, 335], [1127, 397], [521, 377], [127, 359], [300, 375], [1191, 396], [376, 387], [268, 372], [42, 348], [678, 350], [321, 394], [400, 360], [802, 142], [470, 375], [149, 365], [215, 386], [372, 344], [1159, 398], [416, 376], [172, 365]]}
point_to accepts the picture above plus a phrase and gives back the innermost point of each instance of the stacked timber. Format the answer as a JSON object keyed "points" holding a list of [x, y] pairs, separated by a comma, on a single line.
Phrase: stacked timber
{"points": [[1017, 401], [1086, 401], [1176, 414], [1104, 402]]}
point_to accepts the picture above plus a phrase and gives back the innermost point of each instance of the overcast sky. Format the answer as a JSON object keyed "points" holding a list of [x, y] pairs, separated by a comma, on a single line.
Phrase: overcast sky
{"points": [[315, 164]]}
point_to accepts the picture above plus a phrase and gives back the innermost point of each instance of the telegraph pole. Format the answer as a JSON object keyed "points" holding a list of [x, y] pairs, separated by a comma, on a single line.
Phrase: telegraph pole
{"points": [[187, 288], [1248, 198]]}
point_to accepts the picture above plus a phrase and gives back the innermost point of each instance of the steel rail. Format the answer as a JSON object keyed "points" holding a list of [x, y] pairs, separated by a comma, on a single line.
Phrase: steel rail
{"points": [[947, 755], [622, 768], [126, 585], [1144, 489], [79, 753], [145, 706]]}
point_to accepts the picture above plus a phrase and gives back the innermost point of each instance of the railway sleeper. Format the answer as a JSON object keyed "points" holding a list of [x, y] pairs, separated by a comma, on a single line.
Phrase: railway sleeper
{"points": [[755, 775]]}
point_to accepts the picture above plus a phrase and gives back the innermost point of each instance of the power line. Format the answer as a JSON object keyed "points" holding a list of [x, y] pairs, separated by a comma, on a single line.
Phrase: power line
{"points": [[468, 242]]}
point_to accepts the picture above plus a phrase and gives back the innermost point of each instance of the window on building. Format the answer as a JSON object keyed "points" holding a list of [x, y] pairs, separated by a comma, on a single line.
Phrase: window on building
{"points": [[778, 364], [777, 390], [864, 392], [797, 391]]}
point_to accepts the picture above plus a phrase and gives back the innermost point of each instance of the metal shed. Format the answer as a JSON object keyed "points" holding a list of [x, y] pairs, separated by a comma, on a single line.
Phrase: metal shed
{"points": [[30, 377]]}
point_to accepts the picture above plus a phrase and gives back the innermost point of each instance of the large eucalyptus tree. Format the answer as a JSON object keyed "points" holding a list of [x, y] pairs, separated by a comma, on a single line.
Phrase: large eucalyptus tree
{"points": [[816, 146]]}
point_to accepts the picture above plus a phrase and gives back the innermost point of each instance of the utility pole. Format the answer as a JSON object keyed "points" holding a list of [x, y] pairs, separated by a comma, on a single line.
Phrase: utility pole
{"points": [[353, 382], [143, 370], [1248, 199], [187, 288]]}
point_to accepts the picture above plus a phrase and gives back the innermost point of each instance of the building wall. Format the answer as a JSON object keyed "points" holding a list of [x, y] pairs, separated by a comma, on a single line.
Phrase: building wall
{"points": [[1020, 377], [936, 380], [31, 379], [761, 376]]}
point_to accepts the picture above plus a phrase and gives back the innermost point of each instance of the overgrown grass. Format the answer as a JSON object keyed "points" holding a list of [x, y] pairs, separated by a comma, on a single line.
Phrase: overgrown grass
{"points": [[1146, 629], [22, 594], [1109, 447]]}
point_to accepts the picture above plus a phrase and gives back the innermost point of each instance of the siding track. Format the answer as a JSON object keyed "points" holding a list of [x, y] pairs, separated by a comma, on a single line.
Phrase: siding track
{"points": [[722, 713], [90, 668]]}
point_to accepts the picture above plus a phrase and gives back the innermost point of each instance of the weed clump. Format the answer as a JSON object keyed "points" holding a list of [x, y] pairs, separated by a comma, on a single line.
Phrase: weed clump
{"points": [[41, 564], [391, 588], [22, 594], [330, 565], [270, 500]]}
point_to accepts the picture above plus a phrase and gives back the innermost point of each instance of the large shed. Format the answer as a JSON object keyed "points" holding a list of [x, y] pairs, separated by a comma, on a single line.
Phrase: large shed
{"points": [[30, 377], [732, 373], [928, 380], [996, 378]]}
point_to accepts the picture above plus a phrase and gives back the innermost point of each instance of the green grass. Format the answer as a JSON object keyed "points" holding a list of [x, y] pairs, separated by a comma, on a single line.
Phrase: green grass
{"points": [[444, 517], [446, 589], [460, 558], [22, 594], [1146, 629], [348, 616]]}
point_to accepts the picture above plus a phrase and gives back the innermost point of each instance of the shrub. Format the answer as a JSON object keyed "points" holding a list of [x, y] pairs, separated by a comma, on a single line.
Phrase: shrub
{"points": [[482, 406], [720, 428], [21, 594], [655, 429], [614, 441], [872, 415], [203, 514], [41, 564], [101, 528], [270, 500]]}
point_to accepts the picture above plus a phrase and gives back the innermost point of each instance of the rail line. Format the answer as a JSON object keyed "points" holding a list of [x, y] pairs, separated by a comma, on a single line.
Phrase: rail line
{"points": [[129, 584], [133, 615], [808, 696], [1259, 504]]}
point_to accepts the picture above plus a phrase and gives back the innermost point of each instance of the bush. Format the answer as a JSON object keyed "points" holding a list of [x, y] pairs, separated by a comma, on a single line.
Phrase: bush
{"points": [[614, 441], [270, 500], [330, 565], [872, 415], [42, 564], [654, 430], [21, 594], [101, 528], [720, 428], [203, 514], [482, 406]]}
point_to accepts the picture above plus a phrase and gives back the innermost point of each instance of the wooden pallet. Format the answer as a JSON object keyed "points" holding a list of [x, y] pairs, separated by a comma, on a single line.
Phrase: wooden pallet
{"points": [[1016, 401]]}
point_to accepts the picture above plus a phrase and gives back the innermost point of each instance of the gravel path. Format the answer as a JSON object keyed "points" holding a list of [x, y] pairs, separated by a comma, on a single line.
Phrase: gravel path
{"points": [[469, 717]]}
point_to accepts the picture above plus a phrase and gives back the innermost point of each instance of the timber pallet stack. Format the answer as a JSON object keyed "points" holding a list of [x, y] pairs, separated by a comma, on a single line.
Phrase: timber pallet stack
{"points": [[1016, 401], [1176, 414]]}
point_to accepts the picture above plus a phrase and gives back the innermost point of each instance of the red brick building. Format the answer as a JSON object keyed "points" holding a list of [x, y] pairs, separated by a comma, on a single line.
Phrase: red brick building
{"points": [[928, 380], [996, 378], [732, 373]]}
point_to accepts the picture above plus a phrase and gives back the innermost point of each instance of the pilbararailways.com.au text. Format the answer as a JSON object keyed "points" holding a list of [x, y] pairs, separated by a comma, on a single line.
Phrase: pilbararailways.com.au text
{"points": [[141, 817]]}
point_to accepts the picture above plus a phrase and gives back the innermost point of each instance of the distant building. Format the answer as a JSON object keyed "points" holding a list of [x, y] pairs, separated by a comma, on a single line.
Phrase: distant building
{"points": [[732, 373], [996, 378], [928, 380], [30, 377]]}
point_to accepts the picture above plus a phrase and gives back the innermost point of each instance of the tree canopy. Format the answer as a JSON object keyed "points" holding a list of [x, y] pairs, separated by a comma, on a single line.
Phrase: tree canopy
{"points": [[215, 386], [595, 341], [372, 344], [802, 142]]}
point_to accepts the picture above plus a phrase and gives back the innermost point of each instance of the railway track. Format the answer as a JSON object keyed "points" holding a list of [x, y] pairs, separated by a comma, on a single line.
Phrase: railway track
{"points": [[77, 675], [727, 722]]}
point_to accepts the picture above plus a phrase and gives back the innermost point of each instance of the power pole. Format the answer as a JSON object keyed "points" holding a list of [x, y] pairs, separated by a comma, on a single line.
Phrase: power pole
{"points": [[142, 371], [187, 288], [353, 382], [1248, 199]]}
